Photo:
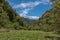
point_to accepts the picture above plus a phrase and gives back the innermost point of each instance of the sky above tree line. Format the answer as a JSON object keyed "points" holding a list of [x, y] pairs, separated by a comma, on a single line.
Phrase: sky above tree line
{"points": [[32, 9]]}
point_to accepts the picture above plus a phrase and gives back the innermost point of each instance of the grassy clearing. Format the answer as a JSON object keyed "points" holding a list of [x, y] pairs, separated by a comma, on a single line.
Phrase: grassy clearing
{"points": [[24, 35]]}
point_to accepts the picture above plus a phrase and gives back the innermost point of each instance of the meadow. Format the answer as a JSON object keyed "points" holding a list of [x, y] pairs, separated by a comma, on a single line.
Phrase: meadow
{"points": [[25, 35]]}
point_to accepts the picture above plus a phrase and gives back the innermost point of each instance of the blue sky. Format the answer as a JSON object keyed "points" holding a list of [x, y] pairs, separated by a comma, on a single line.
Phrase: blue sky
{"points": [[32, 9]]}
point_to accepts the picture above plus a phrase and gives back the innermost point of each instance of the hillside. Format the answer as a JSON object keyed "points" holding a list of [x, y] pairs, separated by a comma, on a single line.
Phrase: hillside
{"points": [[29, 21], [46, 28], [8, 17], [50, 21]]}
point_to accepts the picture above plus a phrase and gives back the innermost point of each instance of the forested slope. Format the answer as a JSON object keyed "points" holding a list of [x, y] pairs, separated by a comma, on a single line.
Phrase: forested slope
{"points": [[50, 21], [8, 17]]}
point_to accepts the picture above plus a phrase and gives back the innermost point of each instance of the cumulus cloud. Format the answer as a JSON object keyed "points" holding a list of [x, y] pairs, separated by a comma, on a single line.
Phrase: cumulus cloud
{"points": [[33, 17], [26, 8], [24, 12], [29, 6]]}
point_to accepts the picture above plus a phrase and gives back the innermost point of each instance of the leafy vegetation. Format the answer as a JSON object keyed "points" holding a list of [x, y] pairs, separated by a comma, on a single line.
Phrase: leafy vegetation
{"points": [[50, 21], [49, 24], [25, 35], [8, 17]]}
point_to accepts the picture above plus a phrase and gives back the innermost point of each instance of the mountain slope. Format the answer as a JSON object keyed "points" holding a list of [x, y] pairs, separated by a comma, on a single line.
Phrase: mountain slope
{"points": [[8, 17], [50, 21], [29, 21]]}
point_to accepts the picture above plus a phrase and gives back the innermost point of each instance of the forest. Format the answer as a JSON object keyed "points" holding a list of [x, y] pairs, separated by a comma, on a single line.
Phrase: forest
{"points": [[49, 22]]}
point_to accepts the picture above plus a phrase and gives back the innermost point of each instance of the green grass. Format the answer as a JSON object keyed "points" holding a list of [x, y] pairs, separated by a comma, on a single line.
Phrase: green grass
{"points": [[24, 35]]}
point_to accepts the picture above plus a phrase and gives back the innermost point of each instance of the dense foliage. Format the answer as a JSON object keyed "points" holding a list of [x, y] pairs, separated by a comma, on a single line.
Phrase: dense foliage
{"points": [[8, 17], [50, 21]]}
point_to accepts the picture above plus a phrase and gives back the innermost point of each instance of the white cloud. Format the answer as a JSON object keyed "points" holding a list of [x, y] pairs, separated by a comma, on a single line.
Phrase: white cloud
{"points": [[29, 6], [24, 12], [26, 5], [26, 8], [45, 1], [33, 17]]}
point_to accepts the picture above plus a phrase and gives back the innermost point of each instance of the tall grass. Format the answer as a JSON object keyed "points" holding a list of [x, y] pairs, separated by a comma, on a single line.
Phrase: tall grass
{"points": [[24, 35]]}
